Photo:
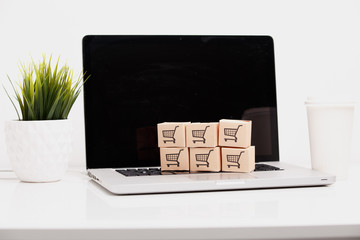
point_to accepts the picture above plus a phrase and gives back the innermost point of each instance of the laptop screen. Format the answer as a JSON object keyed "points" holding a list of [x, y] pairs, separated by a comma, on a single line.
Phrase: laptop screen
{"points": [[138, 81]]}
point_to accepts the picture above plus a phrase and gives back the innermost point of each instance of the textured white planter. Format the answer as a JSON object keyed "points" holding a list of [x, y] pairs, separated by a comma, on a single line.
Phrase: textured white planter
{"points": [[39, 150]]}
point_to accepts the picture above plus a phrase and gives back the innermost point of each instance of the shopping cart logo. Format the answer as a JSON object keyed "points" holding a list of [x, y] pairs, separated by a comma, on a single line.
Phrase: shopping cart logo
{"points": [[204, 158], [173, 157], [234, 159], [200, 134], [231, 132], [169, 134]]}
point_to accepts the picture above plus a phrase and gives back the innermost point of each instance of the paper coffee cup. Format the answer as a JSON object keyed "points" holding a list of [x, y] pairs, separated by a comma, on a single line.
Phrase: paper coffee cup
{"points": [[330, 124]]}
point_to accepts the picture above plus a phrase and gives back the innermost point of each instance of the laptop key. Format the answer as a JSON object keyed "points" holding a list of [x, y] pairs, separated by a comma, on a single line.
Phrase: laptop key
{"points": [[154, 169], [128, 173], [265, 167], [139, 172]]}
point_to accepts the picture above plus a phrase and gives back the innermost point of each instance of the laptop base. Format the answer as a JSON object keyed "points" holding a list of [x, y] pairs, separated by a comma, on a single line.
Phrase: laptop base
{"points": [[291, 176]]}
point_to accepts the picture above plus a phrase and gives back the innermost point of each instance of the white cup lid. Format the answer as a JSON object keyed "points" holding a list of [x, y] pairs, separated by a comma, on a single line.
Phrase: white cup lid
{"points": [[327, 99]]}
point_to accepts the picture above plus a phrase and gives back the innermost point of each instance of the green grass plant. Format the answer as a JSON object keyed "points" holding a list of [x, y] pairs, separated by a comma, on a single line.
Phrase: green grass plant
{"points": [[45, 93]]}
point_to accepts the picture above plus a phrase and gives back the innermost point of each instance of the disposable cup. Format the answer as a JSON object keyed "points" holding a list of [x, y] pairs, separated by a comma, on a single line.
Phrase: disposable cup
{"points": [[330, 124]]}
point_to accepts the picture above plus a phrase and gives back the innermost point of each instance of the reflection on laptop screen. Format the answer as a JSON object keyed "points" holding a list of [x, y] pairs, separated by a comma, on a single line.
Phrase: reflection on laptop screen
{"points": [[139, 81]]}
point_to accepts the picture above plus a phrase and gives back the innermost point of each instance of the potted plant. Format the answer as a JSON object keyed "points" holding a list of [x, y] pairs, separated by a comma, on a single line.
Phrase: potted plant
{"points": [[39, 143]]}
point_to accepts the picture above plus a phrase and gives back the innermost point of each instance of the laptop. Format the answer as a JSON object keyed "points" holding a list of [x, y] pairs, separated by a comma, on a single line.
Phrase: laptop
{"points": [[138, 81]]}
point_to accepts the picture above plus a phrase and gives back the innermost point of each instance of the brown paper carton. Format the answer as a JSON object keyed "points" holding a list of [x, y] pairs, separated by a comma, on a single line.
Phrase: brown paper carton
{"points": [[235, 133], [172, 134], [202, 134], [205, 159], [174, 159], [238, 159]]}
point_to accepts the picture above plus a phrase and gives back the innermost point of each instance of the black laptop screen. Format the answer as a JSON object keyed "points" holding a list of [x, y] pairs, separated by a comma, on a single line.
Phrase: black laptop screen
{"points": [[138, 81]]}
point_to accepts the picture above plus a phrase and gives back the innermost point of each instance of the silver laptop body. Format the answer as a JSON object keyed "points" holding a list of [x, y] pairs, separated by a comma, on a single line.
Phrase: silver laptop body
{"points": [[291, 176], [138, 81]]}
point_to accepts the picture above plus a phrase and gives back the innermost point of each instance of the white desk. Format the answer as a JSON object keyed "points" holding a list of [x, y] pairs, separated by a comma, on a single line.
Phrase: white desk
{"points": [[77, 208]]}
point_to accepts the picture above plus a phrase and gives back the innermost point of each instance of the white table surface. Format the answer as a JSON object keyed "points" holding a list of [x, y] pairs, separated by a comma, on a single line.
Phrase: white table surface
{"points": [[77, 208]]}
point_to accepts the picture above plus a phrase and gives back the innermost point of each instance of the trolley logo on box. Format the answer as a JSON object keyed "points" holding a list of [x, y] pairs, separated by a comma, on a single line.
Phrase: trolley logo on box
{"points": [[234, 159], [203, 158], [199, 134], [169, 134], [231, 132], [173, 157]]}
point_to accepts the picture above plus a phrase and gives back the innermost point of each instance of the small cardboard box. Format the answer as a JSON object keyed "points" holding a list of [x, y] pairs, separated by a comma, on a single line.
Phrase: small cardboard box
{"points": [[174, 159], [205, 159], [172, 134], [202, 134], [238, 159], [235, 133]]}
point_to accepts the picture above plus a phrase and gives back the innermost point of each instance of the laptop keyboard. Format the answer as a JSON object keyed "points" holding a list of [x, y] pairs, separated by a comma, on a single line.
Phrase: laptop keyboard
{"points": [[132, 172]]}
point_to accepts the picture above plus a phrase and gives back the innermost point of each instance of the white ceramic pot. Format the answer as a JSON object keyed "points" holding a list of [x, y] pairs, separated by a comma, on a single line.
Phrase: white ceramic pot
{"points": [[39, 150]]}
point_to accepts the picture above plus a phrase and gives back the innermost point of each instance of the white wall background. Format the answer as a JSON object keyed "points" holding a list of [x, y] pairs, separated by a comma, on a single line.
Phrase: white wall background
{"points": [[317, 46]]}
